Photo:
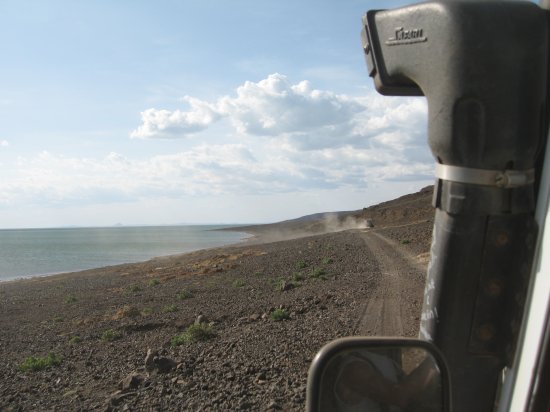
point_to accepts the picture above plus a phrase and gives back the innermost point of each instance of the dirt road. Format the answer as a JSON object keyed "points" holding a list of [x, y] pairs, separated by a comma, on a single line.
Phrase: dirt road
{"points": [[398, 295]]}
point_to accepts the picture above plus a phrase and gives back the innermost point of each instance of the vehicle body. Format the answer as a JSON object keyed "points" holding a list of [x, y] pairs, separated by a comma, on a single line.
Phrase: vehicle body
{"points": [[483, 66]]}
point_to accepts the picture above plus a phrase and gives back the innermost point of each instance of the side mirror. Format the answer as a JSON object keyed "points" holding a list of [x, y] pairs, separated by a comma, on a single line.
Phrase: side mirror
{"points": [[378, 374]]}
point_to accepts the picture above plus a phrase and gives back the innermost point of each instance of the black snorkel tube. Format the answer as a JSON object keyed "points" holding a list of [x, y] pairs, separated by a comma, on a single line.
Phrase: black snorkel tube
{"points": [[482, 66]]}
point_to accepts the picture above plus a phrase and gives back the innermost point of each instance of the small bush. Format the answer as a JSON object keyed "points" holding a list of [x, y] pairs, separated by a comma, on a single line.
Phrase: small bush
{"points": [[71, 299], [184, 294], [58, 319], [280, 284], [405, 241], [301, 264], [170, 308], [154, 282], [147, 311], [75, 340], [36, 364], [258, 274], [327, 261], [194, 333], [279, 314], [127, 311], [319, 273], [134, 288], [110, 335], [238, 283]]}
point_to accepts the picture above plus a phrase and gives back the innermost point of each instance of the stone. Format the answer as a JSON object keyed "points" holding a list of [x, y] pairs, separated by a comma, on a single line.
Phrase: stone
{"points": [[130, 382], [164, 364], [201, 319], [149, 360], [273, 405]]}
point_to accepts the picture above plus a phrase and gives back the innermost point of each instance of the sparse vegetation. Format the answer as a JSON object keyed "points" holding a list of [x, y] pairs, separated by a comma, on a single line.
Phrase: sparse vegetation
{"points": [[239, 283], [194, 333], [71, 299], [110, 335], [170, 308], [327, 261], [58, 319], [279, 314], [154, 282], [319, 273], [134, 288], [301, 264], [258, 274], [147, 311], [184, 294], [75, 340], [36, 364], [281, 284], [405, 241], [127, 311]]}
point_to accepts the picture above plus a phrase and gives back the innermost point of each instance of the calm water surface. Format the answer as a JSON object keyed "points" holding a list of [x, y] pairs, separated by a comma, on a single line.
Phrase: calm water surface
{"points": [[34, 252]]}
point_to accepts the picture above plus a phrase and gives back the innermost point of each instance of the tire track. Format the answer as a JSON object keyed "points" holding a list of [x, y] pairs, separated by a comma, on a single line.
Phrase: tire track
{"points": [[394, 307]]}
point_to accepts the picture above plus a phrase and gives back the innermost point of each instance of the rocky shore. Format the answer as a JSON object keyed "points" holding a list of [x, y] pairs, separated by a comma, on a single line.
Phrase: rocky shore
{"points": [[233, 328]]}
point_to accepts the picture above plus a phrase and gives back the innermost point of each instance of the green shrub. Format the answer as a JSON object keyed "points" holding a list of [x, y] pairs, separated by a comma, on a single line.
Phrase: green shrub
{"points": [[279, 314], [185, 294], [75, 339], [70, 299], [170, 308], [110, 335], [134, 288], [258, 274], [194, 333], [36, 364], [301, 264], [405, 241], [238, 283], [58, 319], [154, 282], [147, 311], [327, 261], [280, 284], [319, 273]]}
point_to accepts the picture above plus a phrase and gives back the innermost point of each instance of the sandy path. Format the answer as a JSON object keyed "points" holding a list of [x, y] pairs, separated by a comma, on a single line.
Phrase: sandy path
{"points": [[397, 296]]}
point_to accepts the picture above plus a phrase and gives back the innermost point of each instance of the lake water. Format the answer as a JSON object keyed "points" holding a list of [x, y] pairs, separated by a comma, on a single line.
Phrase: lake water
{"points": [[35, 252]]}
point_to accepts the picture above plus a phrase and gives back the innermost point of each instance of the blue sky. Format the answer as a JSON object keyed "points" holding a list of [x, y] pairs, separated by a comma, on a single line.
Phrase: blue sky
{"points": [[167, 112]]}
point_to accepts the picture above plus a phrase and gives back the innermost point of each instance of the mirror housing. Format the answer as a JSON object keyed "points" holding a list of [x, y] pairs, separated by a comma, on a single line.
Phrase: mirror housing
{"points": [[376, 373]]}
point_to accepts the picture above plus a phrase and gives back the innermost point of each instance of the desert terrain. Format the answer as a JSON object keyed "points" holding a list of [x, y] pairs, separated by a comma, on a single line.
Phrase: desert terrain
{"points": [[231, 328]]}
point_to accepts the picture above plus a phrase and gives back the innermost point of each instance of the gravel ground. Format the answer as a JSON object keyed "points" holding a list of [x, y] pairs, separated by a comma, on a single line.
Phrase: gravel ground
{"points": [[101, 324]]}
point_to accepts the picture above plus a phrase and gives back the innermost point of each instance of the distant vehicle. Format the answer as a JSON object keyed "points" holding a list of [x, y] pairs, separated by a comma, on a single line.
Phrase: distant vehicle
{"points": [[484, 331]]}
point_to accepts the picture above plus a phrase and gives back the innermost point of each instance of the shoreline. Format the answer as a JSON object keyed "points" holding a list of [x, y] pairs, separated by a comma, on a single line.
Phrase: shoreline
{"points": [[242, 240]]}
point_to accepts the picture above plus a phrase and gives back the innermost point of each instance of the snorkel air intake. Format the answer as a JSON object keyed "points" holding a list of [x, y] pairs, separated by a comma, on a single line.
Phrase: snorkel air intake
{"points": [[482, 67]]}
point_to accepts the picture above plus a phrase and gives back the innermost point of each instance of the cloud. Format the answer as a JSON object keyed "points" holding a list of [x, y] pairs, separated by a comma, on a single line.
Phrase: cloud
{"points": [[272, 107], [205, 170], [165, 124], [4, 143], [290, 138]]}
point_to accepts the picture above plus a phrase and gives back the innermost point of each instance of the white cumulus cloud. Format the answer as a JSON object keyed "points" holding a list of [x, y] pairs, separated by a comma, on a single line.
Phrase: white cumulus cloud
{"points": [[4, 143], [174, 124]]}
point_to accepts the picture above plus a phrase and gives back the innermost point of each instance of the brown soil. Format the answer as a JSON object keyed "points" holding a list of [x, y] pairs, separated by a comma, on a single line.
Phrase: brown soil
{"points": [[253, 362]]}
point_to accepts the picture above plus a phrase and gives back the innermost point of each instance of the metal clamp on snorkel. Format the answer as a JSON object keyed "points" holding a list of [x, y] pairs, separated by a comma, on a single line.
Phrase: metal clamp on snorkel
{"points": [[507, 179], [482, 67]]}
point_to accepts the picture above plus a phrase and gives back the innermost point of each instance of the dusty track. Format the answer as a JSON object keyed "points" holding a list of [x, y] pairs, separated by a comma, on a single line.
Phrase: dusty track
{"points": [[396, 300]]}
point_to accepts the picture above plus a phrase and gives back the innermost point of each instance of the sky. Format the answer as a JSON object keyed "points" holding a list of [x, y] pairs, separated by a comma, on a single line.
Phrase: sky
{"points": [[171, 112]]}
